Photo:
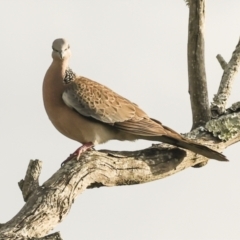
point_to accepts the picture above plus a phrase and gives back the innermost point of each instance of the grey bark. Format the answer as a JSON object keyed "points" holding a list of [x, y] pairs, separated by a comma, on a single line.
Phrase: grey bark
{"points": [[196, 64], [221, 61], [48, 204], [218, 106]]}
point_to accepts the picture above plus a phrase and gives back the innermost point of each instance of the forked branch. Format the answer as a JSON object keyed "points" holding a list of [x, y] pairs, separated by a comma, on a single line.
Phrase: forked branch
{"points": [[219, 103], [48, 204]]}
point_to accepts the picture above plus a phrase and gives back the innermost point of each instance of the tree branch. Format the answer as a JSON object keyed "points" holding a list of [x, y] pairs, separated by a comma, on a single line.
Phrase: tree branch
{"points": [[48, 204], [31, 181], [227, 126], [219, 103], [196, 64], [54, 236], [221, 61]]}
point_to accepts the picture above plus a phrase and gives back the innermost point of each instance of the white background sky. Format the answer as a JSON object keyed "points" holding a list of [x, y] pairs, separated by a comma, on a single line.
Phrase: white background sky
{"points": [[137, 48]]}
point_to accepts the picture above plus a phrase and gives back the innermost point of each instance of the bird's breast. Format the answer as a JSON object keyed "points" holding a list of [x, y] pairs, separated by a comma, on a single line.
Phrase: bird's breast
{"points": [[69, 122]]}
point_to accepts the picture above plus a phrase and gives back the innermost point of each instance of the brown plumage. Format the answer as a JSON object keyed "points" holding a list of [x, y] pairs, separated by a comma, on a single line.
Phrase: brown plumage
{"points": [[91, 113]]}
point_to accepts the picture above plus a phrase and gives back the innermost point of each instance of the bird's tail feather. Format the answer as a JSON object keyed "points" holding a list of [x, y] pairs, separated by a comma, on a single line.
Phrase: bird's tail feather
{"points": [[151, 129], [190, 145]]}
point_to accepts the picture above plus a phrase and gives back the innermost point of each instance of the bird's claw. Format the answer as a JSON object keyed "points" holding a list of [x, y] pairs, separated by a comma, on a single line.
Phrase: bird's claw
{"points": [[78, 152]]}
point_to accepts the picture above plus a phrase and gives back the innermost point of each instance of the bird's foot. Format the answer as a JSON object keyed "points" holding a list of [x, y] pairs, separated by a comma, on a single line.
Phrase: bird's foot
{"points": [[85, 147]]}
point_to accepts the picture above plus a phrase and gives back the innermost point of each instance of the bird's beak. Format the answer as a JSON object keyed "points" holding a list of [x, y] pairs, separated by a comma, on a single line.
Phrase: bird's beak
{"points": [[61, 54]]}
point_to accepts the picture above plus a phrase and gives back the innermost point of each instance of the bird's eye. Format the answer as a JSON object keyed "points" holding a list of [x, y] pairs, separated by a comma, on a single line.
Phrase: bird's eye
{"points": [[67, 48]]}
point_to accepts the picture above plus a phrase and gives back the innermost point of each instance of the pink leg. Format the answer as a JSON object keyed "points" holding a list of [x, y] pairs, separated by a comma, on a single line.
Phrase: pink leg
{"points": [[85, 147]]}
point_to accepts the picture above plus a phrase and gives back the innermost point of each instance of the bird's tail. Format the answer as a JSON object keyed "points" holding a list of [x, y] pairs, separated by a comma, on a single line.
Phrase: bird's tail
{"points": [[151, 129], [190, 145]]}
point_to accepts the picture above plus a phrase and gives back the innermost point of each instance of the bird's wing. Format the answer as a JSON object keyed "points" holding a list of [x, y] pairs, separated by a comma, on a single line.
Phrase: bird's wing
{"points": [[145, 127], [92, 99]]}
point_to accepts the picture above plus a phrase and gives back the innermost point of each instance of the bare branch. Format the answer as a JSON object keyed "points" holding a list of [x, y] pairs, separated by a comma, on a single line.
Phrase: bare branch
{"points": [[196, 64], [219, 103], [31, 181], [222, 62], [48, 204]]}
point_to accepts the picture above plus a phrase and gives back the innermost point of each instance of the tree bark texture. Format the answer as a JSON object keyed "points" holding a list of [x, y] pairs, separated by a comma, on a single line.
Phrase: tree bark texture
{"points": [[230, 70], [48, 204], [196, 64]]}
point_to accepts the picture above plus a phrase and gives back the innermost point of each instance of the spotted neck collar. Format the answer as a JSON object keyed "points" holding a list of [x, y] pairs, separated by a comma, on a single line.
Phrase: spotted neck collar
{"points": [[69, 76]]}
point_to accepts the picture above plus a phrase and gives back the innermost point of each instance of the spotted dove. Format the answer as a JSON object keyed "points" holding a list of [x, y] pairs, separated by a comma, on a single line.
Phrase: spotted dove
{"points": [[90, 113]]}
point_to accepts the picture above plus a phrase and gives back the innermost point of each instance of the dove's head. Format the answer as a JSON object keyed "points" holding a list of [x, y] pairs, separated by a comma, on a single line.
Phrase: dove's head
{"points": [[61, 49]]}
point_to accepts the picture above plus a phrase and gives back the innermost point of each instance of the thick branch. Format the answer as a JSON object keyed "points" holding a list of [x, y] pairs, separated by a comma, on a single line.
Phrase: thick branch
{"points": [[50, 203], [219, 103], [196, 64]]}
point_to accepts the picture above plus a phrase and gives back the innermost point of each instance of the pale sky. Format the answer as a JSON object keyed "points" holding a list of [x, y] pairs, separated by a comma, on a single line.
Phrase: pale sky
{"points": [[137, 48]]}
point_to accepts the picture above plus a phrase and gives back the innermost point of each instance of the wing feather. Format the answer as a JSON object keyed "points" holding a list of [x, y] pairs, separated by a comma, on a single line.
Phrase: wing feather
{"points": [[92, 99], [143, 127]]}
